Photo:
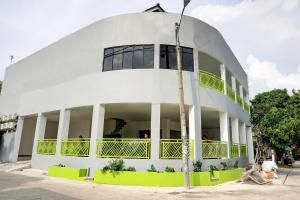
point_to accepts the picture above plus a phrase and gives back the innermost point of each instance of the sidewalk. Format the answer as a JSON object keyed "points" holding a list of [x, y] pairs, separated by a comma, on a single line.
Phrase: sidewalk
{"points": [[32, 184]]}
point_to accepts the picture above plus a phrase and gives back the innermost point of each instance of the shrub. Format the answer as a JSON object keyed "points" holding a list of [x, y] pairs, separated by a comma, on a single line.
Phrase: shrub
{"points": [[152, 169], [212, 168], [236, 164], [197, 166], [114, 165], [60, 165], [169, 169], [132, 169], [224, 165]]}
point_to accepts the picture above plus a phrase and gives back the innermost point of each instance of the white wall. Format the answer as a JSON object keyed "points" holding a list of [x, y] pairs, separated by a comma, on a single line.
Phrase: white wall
{"points": [[27, 137]]}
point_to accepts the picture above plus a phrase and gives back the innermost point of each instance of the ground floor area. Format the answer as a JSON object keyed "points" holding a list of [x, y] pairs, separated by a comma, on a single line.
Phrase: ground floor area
{"points": [[33, 184]]}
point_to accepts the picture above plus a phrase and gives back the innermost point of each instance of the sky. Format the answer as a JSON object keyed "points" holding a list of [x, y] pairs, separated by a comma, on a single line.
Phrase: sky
{"points": [[263, 34]]}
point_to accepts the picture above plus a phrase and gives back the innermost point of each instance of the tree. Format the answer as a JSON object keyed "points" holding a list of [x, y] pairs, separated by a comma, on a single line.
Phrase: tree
{"points": [[276, 118]]}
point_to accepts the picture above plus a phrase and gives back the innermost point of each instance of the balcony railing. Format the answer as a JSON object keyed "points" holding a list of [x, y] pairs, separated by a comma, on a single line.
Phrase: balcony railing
{"points": [[246, 107], [75, 147], [234, 150], [214, 149], [46, 146], [239, 101], [172, 148], [211, 81], [243, 150], [123, 148], [230, 93]]}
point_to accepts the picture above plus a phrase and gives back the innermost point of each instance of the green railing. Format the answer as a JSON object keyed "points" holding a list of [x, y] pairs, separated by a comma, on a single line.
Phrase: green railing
{"points": [[172, 148], [230, 93], [46, 146], [211, 81], [75, 147], [243, 150], [123, 148], [234, 150], [246, 107], [239, 101], [214, 149]]}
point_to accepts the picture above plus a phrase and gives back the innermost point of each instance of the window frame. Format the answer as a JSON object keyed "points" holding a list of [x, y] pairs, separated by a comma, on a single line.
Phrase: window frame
{"points": [[167, 62]]}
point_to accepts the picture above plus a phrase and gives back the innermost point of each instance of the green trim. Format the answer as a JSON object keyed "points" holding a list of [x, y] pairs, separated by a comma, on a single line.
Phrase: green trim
{"points": [[66, 172], [239, 101], [230, 93], [243, 150], [165, 179], [79, 147], [234, 150], [172, 148], [246, 107], [46, 146], [214, 149], [129, 148], [211, 81]]}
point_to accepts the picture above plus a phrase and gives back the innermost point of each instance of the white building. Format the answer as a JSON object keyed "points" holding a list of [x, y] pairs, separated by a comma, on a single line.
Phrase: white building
{"points": [[115, 80]]}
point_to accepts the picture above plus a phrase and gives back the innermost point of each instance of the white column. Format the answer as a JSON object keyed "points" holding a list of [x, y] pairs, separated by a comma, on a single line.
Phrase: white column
{"points": [[235, 132], [223, 76], [250, 148], [241, 92], [155, 133], [233, 85], [156, 56], [195, 131], [243, 139], [63, 129], [40, 129], [17, 140], [96, 132], [224, 129]]}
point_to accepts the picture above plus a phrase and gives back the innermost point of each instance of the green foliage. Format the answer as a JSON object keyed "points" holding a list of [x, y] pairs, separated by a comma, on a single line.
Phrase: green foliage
{"points": [[276, 118], [236, 164], [152, 169], [224, 165], [60, 165], [211, 170], [132, 169], [114, 165], [197, 166], [169, 169]]}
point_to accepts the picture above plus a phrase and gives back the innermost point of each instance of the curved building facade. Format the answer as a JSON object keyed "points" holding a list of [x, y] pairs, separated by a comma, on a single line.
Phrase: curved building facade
{"points": [[110, 90]]}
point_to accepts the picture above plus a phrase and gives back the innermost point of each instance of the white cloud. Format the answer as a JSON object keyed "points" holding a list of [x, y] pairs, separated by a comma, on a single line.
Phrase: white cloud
{"points": [[267, 29], [268, 74]]}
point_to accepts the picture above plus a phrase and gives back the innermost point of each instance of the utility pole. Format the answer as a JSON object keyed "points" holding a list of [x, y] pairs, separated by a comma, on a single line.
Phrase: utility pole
{"points": [[185, 145]]}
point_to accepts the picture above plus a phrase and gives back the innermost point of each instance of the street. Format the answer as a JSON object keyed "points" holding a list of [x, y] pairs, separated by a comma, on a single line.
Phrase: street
{"points": [[31, 184]]}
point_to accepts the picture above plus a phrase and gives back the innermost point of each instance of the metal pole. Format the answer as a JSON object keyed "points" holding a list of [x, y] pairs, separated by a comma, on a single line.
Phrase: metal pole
{"points": [[185, 145]]}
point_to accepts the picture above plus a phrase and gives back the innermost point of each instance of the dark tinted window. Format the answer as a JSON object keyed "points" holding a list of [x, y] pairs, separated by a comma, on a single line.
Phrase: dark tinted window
{"points": [[108, 58], [118, 58], [168, 58], [138, 57], [148, 56], [127, 57]]}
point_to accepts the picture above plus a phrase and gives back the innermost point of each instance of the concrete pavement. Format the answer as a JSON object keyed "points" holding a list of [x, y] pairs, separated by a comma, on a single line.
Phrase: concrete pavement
{"points": [[32, 184]]}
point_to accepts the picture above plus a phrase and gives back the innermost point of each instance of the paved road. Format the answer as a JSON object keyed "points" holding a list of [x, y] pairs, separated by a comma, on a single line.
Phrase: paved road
{"points": [[31, 185]]}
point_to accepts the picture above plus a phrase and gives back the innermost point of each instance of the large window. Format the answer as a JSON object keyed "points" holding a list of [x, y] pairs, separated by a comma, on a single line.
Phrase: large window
{"points": [[168, 58], [128, 57]]}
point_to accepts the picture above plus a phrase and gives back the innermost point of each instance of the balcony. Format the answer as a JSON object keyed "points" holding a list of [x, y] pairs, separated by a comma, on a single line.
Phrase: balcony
{"points": [[211, 81], [172, 148], [132, 148], [243, 150], [214, 149], [234, 150], [46, 146], [79, 147]]}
